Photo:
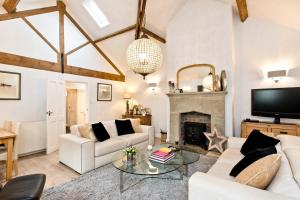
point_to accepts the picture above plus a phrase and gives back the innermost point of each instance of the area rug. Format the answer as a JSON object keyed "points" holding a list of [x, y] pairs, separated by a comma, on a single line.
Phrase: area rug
{"points": [[103, 183]]}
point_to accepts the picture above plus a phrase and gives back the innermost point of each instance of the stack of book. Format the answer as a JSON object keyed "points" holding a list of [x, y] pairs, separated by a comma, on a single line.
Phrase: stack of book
{"points": [[162, 156]]}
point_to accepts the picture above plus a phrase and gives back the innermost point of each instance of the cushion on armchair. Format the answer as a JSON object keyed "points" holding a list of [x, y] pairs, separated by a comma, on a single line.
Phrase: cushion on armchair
{"points": [[260, 173], [251, 158], [256, 140]]}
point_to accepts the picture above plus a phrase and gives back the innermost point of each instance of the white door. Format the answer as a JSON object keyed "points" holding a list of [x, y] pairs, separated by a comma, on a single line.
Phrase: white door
{"points": [[56, 113]]}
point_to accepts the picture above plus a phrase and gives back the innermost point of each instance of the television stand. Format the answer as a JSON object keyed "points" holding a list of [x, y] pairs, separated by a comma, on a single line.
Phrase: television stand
{"points": [[276, 129]]}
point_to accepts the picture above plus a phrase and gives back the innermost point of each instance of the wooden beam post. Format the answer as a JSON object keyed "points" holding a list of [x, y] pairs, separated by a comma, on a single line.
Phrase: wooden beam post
{"points": [[153, 35], [93, 43], [40, 34], [140, 17], [10, 5], [243, 11], [124, 30], [61, 57], [27, 13], [92, 73], [17, 60]]}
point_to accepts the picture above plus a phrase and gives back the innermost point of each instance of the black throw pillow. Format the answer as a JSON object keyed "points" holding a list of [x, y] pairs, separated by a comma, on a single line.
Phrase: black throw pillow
{"points": [[251, 158], [255, 140], [100, 132], [124, 127]]}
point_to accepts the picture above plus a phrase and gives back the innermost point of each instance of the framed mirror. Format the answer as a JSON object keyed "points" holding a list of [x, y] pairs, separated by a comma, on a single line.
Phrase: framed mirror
{"points": [[196, 78]]}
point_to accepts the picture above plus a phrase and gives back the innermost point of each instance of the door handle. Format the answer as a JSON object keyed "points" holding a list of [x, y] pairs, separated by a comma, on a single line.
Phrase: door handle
{"points": [[49, 113], [283, 132]]}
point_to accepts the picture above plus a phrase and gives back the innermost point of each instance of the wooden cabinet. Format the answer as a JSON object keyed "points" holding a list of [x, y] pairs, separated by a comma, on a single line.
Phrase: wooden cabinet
{"points": [[145, 120], [275, 129]]}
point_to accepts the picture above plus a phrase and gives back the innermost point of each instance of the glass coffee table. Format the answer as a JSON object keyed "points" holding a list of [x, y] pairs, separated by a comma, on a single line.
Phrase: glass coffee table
{"points": [[149, 169]]}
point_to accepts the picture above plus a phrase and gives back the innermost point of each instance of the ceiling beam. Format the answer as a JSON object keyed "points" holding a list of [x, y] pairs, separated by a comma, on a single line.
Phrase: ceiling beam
{"points": [[77, 48], [17, 60], [40, 34], [243, 11], [124, 30], [92, 73], [140, 17], [27, 13], [153, 35], [10, 5], [93, 43], [61, 58]]}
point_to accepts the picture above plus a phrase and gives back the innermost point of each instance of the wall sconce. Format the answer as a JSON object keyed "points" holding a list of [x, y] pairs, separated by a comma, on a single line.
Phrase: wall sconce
{"points": [[276, 76], [152, 86]]}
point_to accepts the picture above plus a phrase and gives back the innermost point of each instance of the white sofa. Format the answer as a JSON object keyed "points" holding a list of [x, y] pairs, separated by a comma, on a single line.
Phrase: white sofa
{"points": [[217, 184], [83, 155]]}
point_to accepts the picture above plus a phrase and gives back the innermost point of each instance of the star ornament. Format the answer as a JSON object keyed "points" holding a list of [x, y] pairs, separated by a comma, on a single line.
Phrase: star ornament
{"points": [[216, 141]]}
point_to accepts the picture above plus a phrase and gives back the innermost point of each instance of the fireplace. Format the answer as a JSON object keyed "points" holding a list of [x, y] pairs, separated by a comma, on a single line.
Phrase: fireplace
{"points": [[196, 111], [193, 125]]}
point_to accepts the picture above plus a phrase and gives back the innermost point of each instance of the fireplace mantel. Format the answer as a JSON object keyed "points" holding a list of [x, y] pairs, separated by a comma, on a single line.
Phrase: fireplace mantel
{"points": [[211, 103], [197, 93]]}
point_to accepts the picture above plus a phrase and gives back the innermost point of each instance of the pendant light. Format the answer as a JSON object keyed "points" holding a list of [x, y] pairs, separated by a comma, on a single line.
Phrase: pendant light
{"points": [[144, 56]]}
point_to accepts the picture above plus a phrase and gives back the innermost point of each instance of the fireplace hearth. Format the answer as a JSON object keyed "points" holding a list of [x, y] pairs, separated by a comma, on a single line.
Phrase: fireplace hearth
{"points": [[194, 134]]}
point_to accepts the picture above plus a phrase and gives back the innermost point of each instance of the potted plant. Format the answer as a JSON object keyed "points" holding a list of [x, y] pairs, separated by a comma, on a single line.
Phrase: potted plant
{"points": [[130, 153]]}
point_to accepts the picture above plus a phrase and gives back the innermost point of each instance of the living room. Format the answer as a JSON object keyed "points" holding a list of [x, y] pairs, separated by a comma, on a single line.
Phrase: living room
{"points": [[72, 74]]}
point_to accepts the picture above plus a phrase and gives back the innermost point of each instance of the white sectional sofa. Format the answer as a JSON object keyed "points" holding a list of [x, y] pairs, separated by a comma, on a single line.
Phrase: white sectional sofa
{"points": [[83, 155], [217, 184]]}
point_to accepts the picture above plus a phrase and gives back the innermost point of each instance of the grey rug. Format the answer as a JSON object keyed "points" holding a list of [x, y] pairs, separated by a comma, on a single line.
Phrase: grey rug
{"points": [[103, 183]]}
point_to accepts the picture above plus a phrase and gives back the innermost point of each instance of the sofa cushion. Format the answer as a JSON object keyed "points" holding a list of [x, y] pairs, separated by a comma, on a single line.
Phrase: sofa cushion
{"points": [[100, 132], [136, 124], [132, 139], [251, 158], [260, 173], [284, 182], [289, 141], [293, 158], [225, 163], [109, 146], [124, 127], [232, 156], [111, 128], [256, 140], [86, 131]]}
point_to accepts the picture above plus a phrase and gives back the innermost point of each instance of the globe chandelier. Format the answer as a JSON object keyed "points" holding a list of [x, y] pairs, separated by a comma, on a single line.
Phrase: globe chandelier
{"points": [[144, 56]]}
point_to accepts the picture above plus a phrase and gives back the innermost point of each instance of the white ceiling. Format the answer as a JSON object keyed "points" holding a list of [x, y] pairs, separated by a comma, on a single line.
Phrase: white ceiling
{"points": [[122, 13]]}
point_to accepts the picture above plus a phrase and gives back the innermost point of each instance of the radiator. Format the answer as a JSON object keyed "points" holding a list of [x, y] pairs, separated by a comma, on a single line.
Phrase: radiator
{"points": [[32, 137]]}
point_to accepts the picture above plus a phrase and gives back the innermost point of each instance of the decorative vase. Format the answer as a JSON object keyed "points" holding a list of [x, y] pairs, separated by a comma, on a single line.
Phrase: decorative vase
{"points": [[130, 159]]}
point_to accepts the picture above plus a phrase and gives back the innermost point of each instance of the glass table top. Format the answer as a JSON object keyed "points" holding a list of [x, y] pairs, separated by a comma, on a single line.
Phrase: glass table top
{"points": [[143, 166]]}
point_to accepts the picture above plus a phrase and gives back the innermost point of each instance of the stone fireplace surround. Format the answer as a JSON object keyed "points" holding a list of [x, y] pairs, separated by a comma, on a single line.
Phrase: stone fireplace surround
{"points": [[207, 103]]}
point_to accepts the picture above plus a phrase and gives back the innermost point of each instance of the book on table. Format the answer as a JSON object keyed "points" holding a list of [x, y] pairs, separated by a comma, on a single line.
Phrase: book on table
{"points": [[161, 157]]}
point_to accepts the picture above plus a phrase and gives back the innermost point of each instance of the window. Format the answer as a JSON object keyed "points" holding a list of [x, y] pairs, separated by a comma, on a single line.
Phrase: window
{"points": [[95, 12]]}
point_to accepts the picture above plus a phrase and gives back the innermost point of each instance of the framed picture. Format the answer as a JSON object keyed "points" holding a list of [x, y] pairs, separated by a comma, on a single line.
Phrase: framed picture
{"points": [[104, 92], [10, 86]]}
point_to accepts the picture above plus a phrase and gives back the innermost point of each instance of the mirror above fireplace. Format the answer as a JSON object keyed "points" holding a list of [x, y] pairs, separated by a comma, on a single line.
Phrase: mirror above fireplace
{"points": [[196, 78]]}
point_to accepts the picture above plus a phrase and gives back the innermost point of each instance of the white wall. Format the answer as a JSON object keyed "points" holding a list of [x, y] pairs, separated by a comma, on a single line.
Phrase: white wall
{"points": [[263, 46], [19, 39], [201, 32]]}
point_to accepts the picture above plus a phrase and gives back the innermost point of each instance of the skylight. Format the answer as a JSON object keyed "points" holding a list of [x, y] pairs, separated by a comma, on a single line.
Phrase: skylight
{"points": [[95, 12]]}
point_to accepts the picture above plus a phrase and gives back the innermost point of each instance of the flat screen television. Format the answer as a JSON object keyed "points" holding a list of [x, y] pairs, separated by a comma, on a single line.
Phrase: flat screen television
{"points": [[276, 102]]}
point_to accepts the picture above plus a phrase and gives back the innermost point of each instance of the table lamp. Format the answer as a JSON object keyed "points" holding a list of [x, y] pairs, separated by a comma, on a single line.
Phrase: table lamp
{"points": [[127, 97]]}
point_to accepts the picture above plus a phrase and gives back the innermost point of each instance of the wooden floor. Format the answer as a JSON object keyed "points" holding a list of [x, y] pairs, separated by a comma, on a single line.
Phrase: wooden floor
{"points": [[56, 172]]}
